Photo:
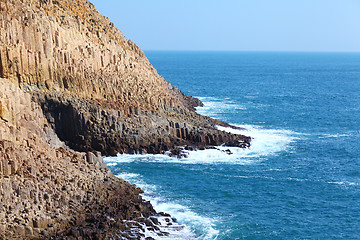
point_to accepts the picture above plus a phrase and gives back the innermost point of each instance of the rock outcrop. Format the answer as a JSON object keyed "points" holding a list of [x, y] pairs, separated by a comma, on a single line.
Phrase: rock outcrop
{"points": [[97, 89], [47, 190], [73, 88]]}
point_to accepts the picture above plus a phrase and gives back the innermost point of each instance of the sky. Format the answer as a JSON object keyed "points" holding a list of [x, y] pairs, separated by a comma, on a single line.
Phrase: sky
{"points": [[238, 25]]}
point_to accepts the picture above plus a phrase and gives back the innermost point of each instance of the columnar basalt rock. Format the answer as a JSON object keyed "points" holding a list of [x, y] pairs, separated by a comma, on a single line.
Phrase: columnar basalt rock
{"points": [[73, 88], [94, 126], [48, 190], [97, 89], [69, 47]]}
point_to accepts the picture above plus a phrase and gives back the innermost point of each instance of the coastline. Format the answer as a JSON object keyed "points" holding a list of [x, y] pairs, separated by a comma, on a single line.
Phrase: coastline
{"points": [[269, 149], [183, 204], [74, 89]]}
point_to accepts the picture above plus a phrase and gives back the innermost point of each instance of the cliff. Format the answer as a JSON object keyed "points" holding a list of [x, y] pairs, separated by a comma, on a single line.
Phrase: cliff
{"points": [[47, 190], [97, 90], [73, 88]]}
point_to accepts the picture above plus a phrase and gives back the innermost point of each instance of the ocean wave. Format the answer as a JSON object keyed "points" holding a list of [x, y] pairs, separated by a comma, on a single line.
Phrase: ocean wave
{"points": [[112, 164], [195, 226], [208, 156], [292, 179], [265, 142], [127, 176], [337, 135], [345, 183], [213, 106]]}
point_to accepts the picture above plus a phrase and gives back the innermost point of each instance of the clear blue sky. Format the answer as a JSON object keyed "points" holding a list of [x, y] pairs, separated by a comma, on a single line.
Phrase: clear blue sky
{"points": [[245, 25]]}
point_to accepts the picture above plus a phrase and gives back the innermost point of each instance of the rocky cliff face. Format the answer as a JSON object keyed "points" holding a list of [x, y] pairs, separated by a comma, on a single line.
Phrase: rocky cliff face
{"points": [[47, 190], [73, 88], [98, 90], [67, 46]]}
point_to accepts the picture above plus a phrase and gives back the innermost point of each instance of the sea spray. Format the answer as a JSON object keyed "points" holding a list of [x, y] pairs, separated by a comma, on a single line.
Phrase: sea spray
{"points": [[194, 225]]}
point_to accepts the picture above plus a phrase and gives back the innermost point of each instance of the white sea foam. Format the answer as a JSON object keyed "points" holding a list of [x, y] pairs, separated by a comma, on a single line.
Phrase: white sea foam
{"points": [[128, 176], [213, 106], [265, 142], [345, 183], [195, 226], [112, 164], [337, 135]]}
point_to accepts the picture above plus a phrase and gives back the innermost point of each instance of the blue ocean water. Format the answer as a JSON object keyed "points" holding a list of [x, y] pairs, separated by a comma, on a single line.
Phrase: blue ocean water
{"points": [[301, 177]]}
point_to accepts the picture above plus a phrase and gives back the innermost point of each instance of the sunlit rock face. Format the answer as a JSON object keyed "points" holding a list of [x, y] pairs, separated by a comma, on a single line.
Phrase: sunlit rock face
{"points": [[97, 89], [72, 89]]}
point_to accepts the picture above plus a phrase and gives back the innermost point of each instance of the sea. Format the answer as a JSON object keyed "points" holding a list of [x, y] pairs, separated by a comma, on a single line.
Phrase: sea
{"points": [[300, 179]]}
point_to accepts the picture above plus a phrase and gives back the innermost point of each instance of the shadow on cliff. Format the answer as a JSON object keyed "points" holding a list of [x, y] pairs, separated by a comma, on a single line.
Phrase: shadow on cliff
{"points": [[111, 128]]}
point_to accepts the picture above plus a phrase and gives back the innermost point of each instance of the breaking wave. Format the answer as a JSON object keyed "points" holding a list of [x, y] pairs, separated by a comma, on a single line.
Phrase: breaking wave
{"points": [[195, 226]]}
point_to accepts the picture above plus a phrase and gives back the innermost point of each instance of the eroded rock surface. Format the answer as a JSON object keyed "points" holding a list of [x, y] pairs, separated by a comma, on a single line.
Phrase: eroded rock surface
{"points": [[73, 88], [97, 89], [47, 190]]}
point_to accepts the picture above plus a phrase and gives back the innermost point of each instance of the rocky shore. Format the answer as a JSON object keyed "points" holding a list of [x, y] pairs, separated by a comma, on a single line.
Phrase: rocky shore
{"points": [[73, 88]]}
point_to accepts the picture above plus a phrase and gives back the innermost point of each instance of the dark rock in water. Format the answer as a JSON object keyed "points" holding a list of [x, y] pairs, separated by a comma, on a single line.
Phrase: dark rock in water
{"points": [[163, 234], [177, 152], [154, 220], [189, 148], [241, 144], [227, 151], [149, 223], [164, 214]]}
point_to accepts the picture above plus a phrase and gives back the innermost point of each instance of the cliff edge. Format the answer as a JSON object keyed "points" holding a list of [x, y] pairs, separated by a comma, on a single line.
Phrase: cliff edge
{"points": [[73, 88], [97, 89]]}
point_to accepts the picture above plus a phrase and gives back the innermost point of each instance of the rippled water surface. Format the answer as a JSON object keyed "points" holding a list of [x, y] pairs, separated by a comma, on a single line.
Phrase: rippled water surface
{"points": [[301, 177]]}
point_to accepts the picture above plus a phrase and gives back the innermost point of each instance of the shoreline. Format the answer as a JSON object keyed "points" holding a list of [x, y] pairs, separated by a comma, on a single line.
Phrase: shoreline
{"points": [[74, 89], [187, 219]]}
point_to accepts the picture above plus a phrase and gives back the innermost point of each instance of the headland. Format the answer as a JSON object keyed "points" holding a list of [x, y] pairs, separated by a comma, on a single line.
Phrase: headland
{"points": [[73, 89]]}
